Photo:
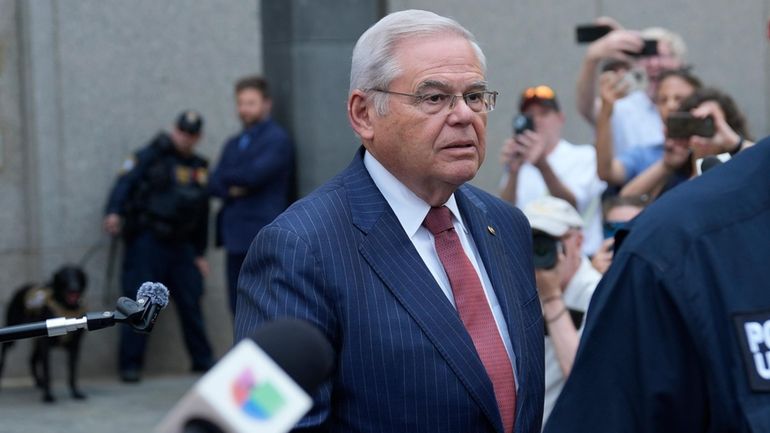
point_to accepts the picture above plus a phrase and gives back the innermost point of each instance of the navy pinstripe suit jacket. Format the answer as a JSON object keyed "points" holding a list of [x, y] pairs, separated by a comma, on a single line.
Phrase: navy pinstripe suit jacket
{"points": [[340, 259]]}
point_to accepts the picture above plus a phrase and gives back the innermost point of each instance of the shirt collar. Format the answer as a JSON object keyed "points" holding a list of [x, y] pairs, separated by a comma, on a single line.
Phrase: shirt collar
{"points": [[410, 209]]}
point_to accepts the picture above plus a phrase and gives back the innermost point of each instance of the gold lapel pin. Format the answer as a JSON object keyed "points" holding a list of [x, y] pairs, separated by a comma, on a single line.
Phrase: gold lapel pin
{"points": [[491, 230]]}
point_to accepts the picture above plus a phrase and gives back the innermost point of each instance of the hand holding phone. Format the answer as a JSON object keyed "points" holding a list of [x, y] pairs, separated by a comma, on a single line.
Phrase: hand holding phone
{"points": [[685, 125], [522, 123], [587, 33]]}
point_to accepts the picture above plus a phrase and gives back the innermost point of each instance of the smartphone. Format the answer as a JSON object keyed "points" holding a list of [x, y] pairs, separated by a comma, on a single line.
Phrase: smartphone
{"points": [[522, 123], [587, 33], [685, 125], [650, 48]]}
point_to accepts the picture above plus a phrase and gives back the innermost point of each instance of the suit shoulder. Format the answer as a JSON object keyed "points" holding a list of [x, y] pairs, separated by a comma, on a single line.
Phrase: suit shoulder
{"points": [[318, 211], [492, 203], [722, 199]]}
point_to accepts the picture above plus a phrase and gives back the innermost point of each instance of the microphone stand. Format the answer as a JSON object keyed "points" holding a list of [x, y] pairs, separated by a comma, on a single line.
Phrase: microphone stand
{"points": [[127, 310]]}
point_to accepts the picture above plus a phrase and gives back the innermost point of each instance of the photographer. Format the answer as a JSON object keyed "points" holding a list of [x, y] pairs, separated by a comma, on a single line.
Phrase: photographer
{"points": [[618, 169], [635, 120], [565, 283], [539, 162], [680, 154]]}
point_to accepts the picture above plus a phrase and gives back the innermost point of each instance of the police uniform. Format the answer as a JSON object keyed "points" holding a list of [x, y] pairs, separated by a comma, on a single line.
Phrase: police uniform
{"points": [[162, 199], [678, 332]]}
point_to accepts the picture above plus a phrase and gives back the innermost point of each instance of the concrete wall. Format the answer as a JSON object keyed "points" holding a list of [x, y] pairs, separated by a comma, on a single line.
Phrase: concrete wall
{"points": [[307, 46], [84, 83]]}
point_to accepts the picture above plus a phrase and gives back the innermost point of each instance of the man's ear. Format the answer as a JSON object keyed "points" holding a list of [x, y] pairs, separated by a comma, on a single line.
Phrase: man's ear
{"points": [[360, 114]]}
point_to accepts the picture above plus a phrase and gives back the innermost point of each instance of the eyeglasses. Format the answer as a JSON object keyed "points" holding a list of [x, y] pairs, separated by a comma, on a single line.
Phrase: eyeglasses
{"points": [[540, 92], [434, 103]]}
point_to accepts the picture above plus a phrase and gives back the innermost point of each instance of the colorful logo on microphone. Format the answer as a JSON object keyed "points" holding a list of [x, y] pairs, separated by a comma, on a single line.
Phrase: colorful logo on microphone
{"points": [[258, 399]]}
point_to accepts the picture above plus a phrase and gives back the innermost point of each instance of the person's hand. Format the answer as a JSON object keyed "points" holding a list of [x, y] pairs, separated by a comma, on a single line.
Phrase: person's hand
{"points": [[725, 138], [533, 145], [549, 280], [112, 224], [203, 266], [608, 21], [602, 259], [676, 153], [612, 87], [512, 155], [616, 45]]}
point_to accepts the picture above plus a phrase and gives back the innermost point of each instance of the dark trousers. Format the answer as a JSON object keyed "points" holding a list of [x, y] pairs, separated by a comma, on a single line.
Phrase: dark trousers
{"points": [[171, 263], [234, 263]]}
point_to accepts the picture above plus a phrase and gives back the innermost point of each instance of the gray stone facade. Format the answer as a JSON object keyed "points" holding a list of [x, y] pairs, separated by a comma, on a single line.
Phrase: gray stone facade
{"points": [[85, 82]]}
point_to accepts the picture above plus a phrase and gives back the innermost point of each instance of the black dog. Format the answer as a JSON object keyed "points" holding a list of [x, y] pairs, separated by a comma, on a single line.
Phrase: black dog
{"points": [[62, 297]]}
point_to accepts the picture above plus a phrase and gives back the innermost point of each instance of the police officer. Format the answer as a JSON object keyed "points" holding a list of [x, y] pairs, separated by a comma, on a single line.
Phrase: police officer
{"points": [[678, 334], [159, 205]]}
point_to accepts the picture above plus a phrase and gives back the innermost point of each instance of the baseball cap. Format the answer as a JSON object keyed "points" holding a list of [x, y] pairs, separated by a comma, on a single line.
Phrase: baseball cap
{"points": [[190, 121], [553, 216], [541, 95]]}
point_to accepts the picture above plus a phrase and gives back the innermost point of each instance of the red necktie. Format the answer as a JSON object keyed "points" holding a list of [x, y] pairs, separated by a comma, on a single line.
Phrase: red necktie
{"points": [[474, 311]]}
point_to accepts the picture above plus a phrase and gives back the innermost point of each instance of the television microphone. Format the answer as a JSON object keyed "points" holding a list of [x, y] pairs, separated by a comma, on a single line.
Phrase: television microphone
{"points": [[140, 314], [261, 385]]}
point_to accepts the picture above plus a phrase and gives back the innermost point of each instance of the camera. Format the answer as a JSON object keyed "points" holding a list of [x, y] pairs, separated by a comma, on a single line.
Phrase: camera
{"points": [[685, 125], [588, 33], [546, 250], [649, 49], [522, 123]]}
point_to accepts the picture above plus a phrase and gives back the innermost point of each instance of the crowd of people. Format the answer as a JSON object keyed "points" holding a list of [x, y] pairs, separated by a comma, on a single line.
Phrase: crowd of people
{"points": [[636, 105]]}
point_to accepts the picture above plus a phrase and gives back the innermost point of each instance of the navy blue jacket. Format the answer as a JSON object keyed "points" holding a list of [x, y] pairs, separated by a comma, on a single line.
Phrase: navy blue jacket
{"points": [[260, 160], [340, 259], [678, 332]]}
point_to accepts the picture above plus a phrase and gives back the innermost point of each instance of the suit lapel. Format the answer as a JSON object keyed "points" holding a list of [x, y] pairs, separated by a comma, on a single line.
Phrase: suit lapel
{"points": [[498, 265], [392, 256]]}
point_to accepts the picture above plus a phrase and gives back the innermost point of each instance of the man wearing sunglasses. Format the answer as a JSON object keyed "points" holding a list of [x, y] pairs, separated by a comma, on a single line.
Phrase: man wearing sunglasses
{"points": [[539, 162]]}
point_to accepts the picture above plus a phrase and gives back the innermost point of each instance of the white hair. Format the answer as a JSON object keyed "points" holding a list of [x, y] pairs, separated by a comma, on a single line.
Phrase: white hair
{"points": [[374, 64], [674, 40]]}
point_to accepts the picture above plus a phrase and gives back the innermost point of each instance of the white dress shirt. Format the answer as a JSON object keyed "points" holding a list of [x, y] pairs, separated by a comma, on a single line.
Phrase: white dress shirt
{"points": [[411, 212]]}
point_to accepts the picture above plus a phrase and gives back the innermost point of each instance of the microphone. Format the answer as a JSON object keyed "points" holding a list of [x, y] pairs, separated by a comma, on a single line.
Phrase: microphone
{"points": [[151, 298], [140, 314], [261, 385]]}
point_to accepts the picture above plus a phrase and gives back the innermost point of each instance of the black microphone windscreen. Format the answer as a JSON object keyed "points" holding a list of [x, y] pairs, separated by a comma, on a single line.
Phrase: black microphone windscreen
{"points": [[299, 348], [708, 163]]}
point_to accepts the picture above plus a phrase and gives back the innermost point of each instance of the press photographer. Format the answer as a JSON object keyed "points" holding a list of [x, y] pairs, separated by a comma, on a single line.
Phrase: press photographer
{"points": [[565, 283]]}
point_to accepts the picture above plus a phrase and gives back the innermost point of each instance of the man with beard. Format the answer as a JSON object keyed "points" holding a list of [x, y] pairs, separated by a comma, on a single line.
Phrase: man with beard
{"points": [[253, 177]]}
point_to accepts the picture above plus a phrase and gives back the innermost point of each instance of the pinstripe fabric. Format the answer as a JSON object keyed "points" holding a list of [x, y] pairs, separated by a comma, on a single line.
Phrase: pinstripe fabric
{"points": [[340, 259]]}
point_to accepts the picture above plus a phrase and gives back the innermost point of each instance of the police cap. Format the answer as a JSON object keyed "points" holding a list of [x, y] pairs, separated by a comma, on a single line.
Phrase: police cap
{"points": [[190, 121]]}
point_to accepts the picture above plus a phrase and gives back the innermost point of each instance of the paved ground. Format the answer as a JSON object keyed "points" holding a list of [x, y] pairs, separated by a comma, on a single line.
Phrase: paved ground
{"points": [[111, 406]]}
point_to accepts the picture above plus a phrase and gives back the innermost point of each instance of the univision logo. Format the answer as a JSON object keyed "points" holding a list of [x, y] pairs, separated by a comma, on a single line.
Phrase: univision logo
{"points": [[258, 399]]}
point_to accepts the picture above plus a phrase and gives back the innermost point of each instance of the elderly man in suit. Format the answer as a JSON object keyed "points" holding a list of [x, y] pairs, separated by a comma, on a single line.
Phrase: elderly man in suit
{"points": [[423, 284]]}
